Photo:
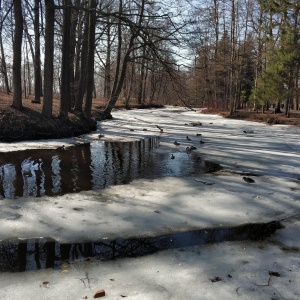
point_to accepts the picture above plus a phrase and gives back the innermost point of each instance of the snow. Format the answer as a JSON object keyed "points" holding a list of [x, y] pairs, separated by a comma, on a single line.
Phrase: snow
{"points": [[184, 203]]}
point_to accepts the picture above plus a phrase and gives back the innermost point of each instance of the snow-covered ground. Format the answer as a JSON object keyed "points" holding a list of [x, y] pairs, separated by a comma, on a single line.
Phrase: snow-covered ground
{"points": [[231, 270]]}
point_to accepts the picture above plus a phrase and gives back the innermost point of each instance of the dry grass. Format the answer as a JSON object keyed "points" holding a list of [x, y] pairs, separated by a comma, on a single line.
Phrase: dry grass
{"points": [[28, 124], [268, 117]]}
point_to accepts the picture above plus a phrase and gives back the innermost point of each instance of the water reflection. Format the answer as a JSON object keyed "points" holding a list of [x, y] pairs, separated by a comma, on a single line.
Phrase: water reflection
{"points": [[90, 166], [32, 254], [7, 177]]}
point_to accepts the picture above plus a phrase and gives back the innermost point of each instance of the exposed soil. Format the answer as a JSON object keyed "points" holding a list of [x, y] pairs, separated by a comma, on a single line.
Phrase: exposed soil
{"points": [[267, 117], [28, 124]]}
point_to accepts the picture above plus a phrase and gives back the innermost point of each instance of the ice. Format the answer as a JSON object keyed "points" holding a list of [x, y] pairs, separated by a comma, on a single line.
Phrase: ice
{"points": [[270, 152]]}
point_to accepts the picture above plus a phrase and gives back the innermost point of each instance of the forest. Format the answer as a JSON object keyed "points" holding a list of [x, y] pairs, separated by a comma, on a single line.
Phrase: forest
{"points": [[102, 194], [219, 54]]}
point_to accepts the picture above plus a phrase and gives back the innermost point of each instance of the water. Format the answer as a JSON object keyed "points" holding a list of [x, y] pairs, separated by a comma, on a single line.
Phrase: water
{"points": [[89, 166], [96, 166], [40, 253]]}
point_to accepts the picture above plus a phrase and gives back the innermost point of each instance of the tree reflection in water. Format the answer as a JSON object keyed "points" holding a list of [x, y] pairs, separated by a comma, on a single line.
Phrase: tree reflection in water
{"points": [[21, 255], [90, 166]]}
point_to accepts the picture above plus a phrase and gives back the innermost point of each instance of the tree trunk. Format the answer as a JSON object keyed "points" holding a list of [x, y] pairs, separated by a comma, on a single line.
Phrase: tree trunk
{"points": [[65, 90], [90, 59], [3, 62], [37, 55], [73, 30], [145, 83], [140, 99], [216, 25], [83, 69], [30, 43], [232, 57], [26, 66], [296, 96], [78, 51], [119, 53], [116, 93], [49, 49], [130, 78], [120, 76], [278, 108], [17, 55], [107, 78]]}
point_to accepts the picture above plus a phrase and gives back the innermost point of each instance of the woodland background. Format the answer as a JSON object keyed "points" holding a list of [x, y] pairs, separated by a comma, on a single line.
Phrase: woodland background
{"points": [[66, 55]]}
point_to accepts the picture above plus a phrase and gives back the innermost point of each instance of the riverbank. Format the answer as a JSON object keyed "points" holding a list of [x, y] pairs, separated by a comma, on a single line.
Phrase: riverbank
{"points": [[28, 124], [268, 117]]}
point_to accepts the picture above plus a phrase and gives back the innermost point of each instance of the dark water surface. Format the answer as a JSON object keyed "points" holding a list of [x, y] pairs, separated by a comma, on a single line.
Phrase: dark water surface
{"points": [[96, 166], [40, 253], [89, 166]]}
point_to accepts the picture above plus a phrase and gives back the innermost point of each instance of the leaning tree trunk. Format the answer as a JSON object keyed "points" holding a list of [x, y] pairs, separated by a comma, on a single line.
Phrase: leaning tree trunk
{"points": [[17, 55], [120, 76]]}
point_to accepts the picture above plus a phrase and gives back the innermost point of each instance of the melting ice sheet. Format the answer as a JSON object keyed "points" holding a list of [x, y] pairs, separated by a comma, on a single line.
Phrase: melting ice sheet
{"points": [[87, 167], [39, 253]]}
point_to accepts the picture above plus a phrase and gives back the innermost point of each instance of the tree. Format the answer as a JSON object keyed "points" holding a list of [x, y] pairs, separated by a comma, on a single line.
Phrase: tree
{"points": [[75, 16], [48, 64], [3, 60], [278, 80], [131, 38], [17, 55], [146, 26], [81, 89], [90, 58], [119, 75], [107, 67], [65, 90], [37, 54]]}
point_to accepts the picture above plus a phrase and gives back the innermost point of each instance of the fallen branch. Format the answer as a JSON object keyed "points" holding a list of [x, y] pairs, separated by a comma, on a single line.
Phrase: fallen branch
{"points": [[204, 182], [268, 284]]}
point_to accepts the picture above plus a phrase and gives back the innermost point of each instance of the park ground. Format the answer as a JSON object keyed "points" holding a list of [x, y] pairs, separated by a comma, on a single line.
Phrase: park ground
{"points": [[267, 268], [29, 125]]}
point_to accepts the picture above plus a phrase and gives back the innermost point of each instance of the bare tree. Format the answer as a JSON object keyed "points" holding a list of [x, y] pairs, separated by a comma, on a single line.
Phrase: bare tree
{"points": [[48, 65], [17, 55], [90, 58], [3, 60], [81, 89], [65, 90], [37, 54]]}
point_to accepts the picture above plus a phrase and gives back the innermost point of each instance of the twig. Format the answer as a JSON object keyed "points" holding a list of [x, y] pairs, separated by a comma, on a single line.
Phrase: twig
{"points": [[268, 284], [204, 182], [88, 280]]}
